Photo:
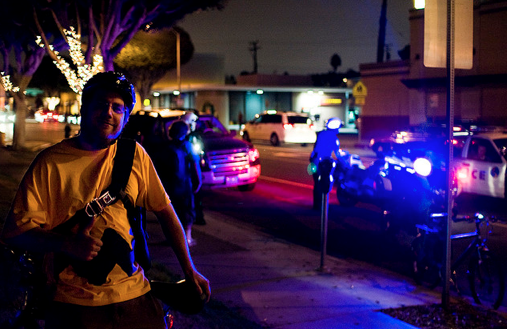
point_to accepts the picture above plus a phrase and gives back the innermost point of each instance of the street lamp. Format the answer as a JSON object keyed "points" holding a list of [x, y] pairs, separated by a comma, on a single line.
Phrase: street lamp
{"points": [[178, 62]]}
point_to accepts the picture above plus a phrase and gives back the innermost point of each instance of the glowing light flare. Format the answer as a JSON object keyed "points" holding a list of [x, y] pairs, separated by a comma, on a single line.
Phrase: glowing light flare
{"points": [[422, 166], [287, 126], [75, 79], [419, 4], [253, 155], [52, 102], [198, 147], [462, 174], [312, 169]]}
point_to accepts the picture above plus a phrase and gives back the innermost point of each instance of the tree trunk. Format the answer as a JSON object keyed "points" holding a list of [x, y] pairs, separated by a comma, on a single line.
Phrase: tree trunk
{"points": [[18, 138]]}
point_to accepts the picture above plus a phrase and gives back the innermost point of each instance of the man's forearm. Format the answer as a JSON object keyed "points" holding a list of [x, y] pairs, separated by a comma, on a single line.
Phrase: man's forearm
{"points": [[174, 233]]}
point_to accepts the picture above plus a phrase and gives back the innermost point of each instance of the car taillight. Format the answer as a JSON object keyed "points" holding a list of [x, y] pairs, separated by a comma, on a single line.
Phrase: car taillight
{"points": [[253, 155], [288, 126], [462, 173]]}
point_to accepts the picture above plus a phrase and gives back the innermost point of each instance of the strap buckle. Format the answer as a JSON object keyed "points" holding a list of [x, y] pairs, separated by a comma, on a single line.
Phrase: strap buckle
{"points": [[96, 206]]}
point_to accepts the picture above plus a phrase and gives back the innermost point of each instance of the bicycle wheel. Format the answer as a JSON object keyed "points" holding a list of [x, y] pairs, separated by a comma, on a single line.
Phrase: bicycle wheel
{"points": [[486, 279]]}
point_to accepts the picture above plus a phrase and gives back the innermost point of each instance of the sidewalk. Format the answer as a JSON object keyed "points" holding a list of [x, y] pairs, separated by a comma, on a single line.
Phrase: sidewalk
{"points": [[276, 283]]}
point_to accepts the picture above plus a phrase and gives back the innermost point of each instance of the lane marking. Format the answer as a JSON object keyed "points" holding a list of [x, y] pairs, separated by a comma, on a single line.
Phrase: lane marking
{"points": [[282, 181]]}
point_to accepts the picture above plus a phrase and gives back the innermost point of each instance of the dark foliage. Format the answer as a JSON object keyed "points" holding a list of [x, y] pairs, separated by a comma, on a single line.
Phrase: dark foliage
{"points": [[461, 315]]}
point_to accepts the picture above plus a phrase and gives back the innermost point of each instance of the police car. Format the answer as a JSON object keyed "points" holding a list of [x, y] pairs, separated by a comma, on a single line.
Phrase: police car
{"points": [[479, 155], [480, 163]]}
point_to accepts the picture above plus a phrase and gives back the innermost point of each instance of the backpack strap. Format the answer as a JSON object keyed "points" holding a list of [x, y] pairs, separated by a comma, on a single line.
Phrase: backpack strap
{"points": [[122, 165]]}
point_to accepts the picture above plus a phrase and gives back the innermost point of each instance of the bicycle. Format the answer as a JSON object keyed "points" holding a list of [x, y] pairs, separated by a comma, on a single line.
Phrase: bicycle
{"points": [[486, 278]]}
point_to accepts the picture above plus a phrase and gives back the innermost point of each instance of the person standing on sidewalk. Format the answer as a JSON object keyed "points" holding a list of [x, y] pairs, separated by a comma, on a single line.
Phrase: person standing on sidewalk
{"points": [[191, 118], [180, 174], [62, 180]]}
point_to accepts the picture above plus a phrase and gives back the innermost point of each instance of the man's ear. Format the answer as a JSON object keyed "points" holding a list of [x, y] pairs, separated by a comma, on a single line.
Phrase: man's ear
{"points": [[126, 119]]}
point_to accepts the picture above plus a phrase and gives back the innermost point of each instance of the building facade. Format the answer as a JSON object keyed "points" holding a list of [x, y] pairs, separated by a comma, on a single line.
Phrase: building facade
{"points": [[403, 93], [234, 104]]}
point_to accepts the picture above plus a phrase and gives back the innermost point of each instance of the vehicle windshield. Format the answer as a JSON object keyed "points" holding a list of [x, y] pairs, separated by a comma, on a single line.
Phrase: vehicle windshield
{"points": [[297, 119], [210, 124]]}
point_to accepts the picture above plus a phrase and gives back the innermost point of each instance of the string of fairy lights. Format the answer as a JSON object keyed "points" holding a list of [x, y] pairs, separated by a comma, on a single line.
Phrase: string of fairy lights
{"points": [[84, 72], [76, 79], [5, 80]]}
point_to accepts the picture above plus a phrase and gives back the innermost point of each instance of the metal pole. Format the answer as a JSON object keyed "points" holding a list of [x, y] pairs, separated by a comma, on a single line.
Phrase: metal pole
{"points": [[450, 125], [324, 219], [178, 64]]}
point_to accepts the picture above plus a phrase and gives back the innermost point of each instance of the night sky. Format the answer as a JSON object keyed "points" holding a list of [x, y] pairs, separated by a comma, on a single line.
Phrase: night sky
{"points": [[298, 36]]}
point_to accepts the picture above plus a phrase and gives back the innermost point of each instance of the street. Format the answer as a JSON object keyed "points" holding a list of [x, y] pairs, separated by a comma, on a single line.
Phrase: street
{"points": [[281, 204]]}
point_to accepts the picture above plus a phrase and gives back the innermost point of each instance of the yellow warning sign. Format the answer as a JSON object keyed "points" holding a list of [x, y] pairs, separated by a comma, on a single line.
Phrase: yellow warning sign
{"points": [[359, 90], [360, 100]]}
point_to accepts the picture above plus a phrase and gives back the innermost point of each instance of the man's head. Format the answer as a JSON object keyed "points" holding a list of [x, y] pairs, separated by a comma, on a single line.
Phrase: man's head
{"points": [[190, 118], [481, 152], [178, 130], [114, 82], [107, 100]]}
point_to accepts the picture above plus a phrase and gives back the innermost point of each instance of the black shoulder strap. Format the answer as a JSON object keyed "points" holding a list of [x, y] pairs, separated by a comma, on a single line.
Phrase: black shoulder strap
{"points": [[122, 165]]}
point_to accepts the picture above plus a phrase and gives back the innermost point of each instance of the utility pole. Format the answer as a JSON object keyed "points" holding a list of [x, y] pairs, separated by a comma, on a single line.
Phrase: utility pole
{"points": [[254, 48], [381, 33]]}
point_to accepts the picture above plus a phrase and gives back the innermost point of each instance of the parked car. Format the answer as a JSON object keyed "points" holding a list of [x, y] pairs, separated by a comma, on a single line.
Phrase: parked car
{"points": [[280, 127], [226, 161]]}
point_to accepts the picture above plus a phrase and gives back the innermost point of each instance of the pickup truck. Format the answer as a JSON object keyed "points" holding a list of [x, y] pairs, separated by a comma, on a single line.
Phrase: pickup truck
{"points": [[226, 161]]}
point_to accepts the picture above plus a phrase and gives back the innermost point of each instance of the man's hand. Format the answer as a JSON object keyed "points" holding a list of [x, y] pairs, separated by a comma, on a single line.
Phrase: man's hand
{"points": [[82, 246], [201, 284]]}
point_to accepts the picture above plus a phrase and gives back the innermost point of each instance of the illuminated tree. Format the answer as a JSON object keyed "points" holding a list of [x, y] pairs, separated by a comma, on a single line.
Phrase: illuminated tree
{"points": [[19, 58], [150, 54], [107, 26], [104, 27]]}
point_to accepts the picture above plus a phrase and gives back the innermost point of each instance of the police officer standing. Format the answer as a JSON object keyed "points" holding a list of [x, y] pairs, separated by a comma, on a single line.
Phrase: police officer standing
{"points": [[326, 147]]}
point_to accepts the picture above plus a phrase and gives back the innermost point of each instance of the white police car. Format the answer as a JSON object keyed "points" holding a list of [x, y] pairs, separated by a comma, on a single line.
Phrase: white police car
{"points": [[480, 163]]}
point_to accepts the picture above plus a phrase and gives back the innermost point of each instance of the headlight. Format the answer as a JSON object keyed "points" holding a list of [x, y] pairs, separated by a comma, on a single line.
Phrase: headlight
{"points": [[422, 166], [253, 155]]}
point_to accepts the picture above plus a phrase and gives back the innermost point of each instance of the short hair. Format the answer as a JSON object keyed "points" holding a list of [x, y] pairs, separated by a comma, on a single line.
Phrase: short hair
{"points": [[178, 130]]}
